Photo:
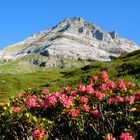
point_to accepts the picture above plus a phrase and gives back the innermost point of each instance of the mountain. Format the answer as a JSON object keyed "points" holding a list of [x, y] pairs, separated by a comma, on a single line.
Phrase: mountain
{"points": [[70, 42]]}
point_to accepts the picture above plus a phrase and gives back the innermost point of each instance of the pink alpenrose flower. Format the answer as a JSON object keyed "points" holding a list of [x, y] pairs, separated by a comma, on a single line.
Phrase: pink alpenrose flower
{"points": [[86, 108], [45, 91], [16, 109], [83, 99], [130, 99], [120, 99], [82, 88], [104, 76], [38, 134], [95, 113], [111, 101], [89, 89], [121, 85], [74, 112], [126, 136], [31, 102]]}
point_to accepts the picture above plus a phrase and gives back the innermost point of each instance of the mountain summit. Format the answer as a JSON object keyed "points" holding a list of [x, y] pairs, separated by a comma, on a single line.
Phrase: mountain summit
{"points": [[73, 39]]}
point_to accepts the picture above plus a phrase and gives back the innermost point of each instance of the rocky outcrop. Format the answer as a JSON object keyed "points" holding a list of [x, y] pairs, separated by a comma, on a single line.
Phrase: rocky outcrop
{"points": [[114, 35], [73, 39]]}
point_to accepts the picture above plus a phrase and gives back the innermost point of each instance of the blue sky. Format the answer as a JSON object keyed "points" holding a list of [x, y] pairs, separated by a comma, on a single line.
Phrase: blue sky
{"points": [[21, 18]]}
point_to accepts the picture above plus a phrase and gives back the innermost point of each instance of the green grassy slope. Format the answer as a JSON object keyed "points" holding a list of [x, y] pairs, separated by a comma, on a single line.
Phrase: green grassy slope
{"points": [[25, 64], [126, 67]]}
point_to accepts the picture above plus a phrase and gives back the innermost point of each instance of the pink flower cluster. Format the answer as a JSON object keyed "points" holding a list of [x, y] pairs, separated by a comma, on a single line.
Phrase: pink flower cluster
{"points": [[111, 84], [119, 99], [49, 100], [99, 95], [45, 91], [104, 76], [111, 101], [123, 136], [128, 85], [83, 99], [86, 108], [74, 112], [16, 109], [33, 101], [67, 101], [52, 99], [106, 86], [121, 85], [126, 136], [73, 92], [130, 99], [95, 113], [38, 134], [89, 89], [82, 88]]}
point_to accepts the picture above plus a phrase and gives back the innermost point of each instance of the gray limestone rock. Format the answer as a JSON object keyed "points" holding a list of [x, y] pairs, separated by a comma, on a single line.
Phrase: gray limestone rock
{"points": [[73, 39]]}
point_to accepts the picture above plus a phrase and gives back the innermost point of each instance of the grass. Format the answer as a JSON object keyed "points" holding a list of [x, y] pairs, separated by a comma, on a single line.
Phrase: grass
{"points": [[11, 84], [126, 67]]}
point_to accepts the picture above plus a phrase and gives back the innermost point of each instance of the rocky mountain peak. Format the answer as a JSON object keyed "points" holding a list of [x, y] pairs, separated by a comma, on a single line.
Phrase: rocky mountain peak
{"points": [[76, 24], [74, 39], [80, 27], [72, 20]]}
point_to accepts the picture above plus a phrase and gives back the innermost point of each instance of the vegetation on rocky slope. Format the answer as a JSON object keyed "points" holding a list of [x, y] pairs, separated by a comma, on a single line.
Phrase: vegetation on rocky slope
{"points": [[102, 109], [126, 67]]}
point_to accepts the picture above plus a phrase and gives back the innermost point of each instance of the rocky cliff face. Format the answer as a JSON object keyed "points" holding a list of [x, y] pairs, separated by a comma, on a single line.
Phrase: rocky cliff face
{"points": [[73, 39]]}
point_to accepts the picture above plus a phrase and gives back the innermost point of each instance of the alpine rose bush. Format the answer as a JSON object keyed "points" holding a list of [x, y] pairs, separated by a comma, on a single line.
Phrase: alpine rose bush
{"points": [[101, 109]]}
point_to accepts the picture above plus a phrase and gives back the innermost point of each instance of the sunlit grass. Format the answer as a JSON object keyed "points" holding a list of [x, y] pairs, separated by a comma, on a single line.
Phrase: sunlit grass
{"points": [[126, 67]]}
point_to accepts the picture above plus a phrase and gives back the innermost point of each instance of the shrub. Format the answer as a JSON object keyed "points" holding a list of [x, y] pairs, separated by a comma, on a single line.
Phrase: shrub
{"points": [[102, 109]]}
